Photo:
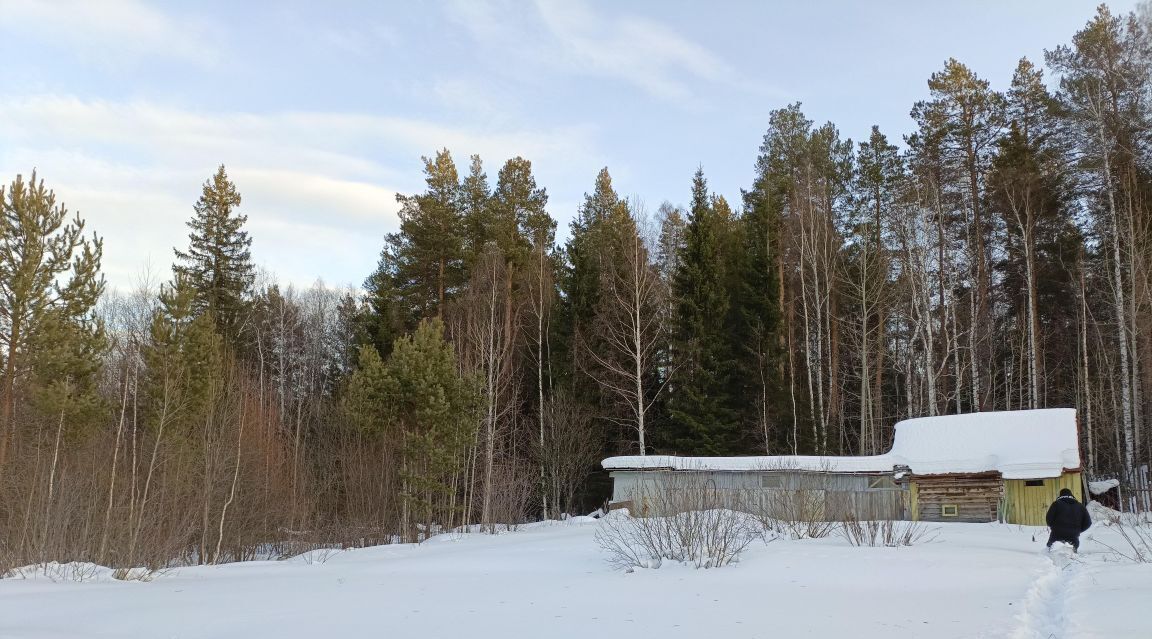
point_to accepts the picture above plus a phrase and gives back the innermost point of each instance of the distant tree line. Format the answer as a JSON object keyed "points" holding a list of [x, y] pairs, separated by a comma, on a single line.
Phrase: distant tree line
{"points": [[1002, 259]]}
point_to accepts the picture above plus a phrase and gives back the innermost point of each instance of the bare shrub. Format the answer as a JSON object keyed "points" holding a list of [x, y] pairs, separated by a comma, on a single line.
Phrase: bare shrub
{"points": [[884, 532], [1135, 534], [797, 507], [137, 574], [796, 512], [571, 445], [685, 519]]}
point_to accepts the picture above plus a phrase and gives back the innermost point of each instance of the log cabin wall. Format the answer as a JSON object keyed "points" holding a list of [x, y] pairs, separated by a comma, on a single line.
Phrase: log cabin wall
{"points": [[969, 498]]}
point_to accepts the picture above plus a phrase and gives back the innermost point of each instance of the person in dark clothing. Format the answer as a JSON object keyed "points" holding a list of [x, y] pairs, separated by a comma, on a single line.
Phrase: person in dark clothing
{"points": [[1067, 518]]}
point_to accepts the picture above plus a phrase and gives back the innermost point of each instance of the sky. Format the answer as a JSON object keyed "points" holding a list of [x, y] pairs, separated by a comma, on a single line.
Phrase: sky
{"points": [[321, 111]]}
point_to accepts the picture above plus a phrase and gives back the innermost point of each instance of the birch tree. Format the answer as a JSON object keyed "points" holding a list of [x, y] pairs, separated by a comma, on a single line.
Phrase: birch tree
{"points": [[630, 323]]}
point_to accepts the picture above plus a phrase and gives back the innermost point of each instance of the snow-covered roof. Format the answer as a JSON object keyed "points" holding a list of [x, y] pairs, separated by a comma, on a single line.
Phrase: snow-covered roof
{"points": [[1025, 444]]}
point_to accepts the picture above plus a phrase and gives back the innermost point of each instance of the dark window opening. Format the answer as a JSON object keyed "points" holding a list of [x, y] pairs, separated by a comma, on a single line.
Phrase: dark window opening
{"points": [[1034, 482]]}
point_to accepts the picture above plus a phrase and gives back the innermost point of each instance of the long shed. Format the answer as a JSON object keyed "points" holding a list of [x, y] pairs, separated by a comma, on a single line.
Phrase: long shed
{"points": [[995, 466]]}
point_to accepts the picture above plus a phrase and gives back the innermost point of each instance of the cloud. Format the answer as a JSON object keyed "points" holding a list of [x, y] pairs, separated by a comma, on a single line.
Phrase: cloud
{"points": [[337, 142], [318, 187], [568, 35], [111, 32], [361, 40], [644, 52]]}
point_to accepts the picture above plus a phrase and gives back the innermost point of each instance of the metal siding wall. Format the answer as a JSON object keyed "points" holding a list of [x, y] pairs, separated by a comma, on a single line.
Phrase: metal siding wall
{"points": [[842, 494]]}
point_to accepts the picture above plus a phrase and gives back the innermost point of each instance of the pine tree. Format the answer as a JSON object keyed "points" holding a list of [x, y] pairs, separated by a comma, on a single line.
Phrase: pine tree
{"points": [[475, 196], [518, 219], [703, 420], [963, 121], [1029, 193], [422, 265], [218, 262], [1105, 78], [868, 287], [50, 282], [419, 397]]}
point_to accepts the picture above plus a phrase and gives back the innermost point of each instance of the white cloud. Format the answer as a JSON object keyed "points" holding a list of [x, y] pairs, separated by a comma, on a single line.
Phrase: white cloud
{"points": [[644, 52], [318, 188], [111, 32], [362, 40], [639, 51]]}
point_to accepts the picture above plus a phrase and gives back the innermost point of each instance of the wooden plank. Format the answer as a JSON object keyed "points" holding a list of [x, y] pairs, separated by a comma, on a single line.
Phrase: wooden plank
{"points": [[1027, 505], [976, 497]]}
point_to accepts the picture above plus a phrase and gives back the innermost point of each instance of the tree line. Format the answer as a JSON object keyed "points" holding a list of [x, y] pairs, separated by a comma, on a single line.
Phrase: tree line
{"points": [[1000, 259]]}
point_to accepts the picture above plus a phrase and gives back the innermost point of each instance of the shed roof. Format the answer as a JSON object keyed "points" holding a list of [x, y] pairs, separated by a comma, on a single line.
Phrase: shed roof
{"points": [[1024, 444]]}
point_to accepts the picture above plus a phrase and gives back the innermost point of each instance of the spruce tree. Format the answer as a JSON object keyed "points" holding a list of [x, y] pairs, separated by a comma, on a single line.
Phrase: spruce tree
{"points": [[703, 420], [183, 360], [759, 346], [218, 262], [384, 315], [581, 281]]}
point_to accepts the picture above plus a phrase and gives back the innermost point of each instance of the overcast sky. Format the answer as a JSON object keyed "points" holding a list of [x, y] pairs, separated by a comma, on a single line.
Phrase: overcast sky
{"points": [[321, 110]]}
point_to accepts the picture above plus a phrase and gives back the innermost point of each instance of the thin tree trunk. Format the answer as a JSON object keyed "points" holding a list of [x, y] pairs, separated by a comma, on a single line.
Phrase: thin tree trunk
{"points": [[235, 481], [112, 476]]}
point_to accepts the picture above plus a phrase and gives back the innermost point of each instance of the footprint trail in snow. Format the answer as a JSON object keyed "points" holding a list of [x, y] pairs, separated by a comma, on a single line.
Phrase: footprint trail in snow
{"points": [[1046, 603]]}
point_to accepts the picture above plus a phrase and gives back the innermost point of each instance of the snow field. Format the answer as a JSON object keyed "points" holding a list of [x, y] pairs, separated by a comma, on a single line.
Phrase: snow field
{"points": [[550, 579]]}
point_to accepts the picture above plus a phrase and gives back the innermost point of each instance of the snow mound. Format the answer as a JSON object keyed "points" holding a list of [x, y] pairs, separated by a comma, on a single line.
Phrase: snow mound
{"points": [[77, 571], [1102, 486]]}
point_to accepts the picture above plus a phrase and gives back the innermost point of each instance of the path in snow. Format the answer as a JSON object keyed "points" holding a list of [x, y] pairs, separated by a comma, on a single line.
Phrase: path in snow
{"points": [[1046, 604]]}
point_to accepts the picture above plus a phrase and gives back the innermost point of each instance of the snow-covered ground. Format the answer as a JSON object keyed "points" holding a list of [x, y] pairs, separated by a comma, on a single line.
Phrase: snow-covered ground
{"points": [[551, 580]]}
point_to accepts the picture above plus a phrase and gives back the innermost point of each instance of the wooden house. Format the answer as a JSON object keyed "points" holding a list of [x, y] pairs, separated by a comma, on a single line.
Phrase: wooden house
{"points": [[998, 466]]}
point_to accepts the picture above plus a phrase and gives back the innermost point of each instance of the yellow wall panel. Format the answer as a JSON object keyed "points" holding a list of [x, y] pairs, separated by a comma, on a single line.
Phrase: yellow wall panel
{"points": [[1027, 505]]}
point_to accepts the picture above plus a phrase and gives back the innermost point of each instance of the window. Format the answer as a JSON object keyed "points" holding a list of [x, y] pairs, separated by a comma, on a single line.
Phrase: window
{"points": [[1034, 482], [770, 481], [882, 482], [949, 510]]}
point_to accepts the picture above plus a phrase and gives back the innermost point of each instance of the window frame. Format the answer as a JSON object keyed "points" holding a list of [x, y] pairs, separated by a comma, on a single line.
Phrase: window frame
{"points": [[771, 481], [889, 483]]}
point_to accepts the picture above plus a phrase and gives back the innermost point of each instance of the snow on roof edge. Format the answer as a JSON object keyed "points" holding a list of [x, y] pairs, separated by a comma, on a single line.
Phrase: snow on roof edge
{"points": [[1027, 444]]}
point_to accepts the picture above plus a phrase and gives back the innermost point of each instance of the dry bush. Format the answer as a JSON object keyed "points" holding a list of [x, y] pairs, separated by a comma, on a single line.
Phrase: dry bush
{"points": [[571, 446], [1135, 532], [884, 532], [796, 512], [685, 519], [132, 497], [797, 508], [513, 490]]}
